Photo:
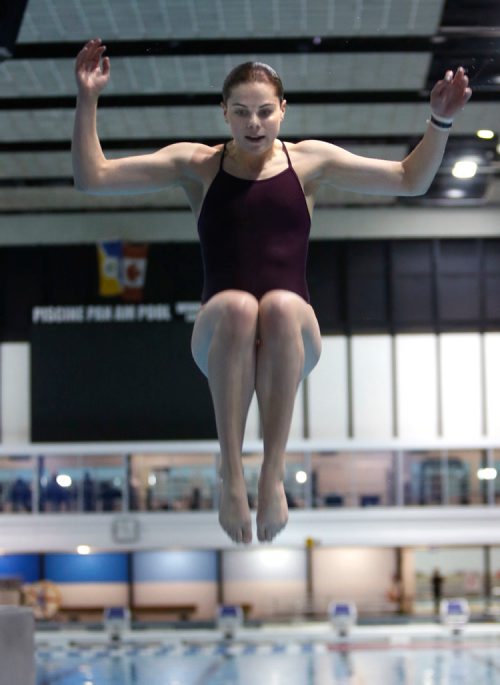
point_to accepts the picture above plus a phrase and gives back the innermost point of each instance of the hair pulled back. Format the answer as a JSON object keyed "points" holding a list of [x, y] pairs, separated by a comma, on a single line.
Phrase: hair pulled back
{"points": [[250, 72]]}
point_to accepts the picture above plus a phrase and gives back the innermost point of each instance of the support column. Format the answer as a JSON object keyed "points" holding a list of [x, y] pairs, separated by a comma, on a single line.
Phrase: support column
{"points": [[17, 646]]}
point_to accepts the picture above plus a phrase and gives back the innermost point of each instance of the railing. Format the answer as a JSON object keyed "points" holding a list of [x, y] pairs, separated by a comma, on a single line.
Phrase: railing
{"points": [[161, 476]]}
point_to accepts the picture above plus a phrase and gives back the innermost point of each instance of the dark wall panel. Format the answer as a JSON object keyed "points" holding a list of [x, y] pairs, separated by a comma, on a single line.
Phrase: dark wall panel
{"points": [[367, 296], [412, 285], [355, 286], [326, 277], [126, 381]]}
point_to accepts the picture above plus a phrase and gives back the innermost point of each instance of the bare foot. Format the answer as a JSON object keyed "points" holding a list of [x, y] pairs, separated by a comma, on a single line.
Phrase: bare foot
{"points": [[272, 508], [234, 512]]}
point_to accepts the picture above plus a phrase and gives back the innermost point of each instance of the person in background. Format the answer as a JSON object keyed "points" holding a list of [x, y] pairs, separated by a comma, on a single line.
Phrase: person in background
{"points": [[437, 582]]}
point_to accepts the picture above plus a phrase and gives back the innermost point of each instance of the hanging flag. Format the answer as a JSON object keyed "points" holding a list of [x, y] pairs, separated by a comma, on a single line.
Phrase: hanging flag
{"points": [[109, 254], [134, 266]]}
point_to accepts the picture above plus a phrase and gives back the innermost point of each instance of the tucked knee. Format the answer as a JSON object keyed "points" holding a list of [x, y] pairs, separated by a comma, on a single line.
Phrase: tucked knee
{"points": [[238, 317], [277, 316]]}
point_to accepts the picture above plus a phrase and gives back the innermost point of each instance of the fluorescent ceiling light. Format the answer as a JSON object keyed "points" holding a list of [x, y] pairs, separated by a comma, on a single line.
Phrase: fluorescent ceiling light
{"points": [[465, 168], [485, 133], [455, 193]]}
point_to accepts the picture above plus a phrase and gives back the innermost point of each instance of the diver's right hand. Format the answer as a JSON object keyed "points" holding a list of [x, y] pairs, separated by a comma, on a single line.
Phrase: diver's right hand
{"points": [[92, 70]]}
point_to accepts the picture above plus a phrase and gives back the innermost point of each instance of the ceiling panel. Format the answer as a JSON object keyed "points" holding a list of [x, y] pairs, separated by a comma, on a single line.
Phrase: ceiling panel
{"points": [[48, 165], [186, 122], [54, 20], [68, 199], [205, 74], [309, 67]]}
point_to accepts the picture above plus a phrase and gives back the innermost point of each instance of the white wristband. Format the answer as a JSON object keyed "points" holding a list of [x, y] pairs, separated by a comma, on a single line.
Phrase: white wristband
{"points": [[440, 124], [442, 120]]}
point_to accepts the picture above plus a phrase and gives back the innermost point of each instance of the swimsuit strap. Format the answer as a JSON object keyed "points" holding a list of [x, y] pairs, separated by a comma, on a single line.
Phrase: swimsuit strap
{"points": [[286, 153], [222, 156]]}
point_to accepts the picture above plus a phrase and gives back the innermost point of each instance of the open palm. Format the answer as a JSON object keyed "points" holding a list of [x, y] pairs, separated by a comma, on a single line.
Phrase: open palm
{"points": [[92, 70], [450, 94]]}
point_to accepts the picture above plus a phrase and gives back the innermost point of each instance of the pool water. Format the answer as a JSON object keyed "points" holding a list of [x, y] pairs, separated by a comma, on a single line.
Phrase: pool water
{"points": [[462, 663]]}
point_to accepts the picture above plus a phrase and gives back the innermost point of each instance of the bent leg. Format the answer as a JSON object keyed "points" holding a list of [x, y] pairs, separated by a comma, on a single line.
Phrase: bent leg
{"points": [[290, 347], [223, 346]]}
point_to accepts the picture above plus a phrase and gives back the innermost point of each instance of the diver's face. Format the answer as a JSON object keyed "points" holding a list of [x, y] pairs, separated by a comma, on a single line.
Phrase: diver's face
{"points": [[254, 113]]}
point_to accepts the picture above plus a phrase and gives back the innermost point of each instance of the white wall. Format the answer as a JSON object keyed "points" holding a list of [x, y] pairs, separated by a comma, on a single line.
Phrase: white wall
{"points": [[15, 414], [270, 581], [346, 526], [93, 594], [461, 392], [361, 575], [416, 386], [155, 594], [372, 396], [449, 382], [444, 385], [492, 383], [160, 226], [328, 391]]}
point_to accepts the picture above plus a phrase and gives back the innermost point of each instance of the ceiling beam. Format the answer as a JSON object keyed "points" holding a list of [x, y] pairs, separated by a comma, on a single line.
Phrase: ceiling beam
{"points": [[155, 143], [462, 42], [360, 97]]}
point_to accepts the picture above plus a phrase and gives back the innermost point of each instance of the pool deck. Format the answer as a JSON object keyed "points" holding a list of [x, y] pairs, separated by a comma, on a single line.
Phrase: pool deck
{"points": [[359, 637]]}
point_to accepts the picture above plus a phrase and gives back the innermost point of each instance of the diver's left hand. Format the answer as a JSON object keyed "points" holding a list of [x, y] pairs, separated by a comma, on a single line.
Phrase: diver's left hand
{"points": [[450, 94]]}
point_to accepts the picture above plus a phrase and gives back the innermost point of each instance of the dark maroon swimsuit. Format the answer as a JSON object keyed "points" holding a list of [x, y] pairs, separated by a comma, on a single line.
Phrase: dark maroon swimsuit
{"points": [[254, 234]]}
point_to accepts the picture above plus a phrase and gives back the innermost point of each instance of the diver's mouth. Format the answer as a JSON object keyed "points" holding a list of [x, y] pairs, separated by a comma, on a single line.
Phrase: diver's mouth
{"points": [[255, 139]]}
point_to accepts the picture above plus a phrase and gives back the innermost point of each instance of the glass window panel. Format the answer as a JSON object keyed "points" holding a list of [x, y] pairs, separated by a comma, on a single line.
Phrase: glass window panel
{"points": [[161, 482], [461, 569], [81, 483], [424, 478], [444, 477], [464, 486], [353, 479], [16, 479], [496, 465]]}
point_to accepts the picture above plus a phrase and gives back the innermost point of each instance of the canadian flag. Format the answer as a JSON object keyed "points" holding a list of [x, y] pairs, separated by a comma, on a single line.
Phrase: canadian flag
{"points": [[134, 267]]}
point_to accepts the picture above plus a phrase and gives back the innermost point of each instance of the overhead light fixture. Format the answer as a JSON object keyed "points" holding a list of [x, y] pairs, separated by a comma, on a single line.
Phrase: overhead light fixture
{"points": [[464, 168], [488, 473], [455, 193], [485, 134]]}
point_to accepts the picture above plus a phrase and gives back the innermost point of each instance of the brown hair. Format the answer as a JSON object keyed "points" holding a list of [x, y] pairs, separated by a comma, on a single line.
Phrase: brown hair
{"points": [[249, 72]]}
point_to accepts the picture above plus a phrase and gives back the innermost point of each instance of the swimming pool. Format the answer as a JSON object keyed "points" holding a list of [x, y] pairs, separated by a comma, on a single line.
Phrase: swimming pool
{"points": [[421, 662]]}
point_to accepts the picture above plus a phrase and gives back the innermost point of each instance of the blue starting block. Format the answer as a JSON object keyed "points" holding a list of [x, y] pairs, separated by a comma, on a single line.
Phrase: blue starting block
{"points": [[454, 613], [229, 619], [116, 621], [343, 616]]}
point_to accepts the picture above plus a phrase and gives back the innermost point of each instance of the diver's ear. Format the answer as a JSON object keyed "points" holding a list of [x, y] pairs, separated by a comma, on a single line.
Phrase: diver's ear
{"points": [[224, 109], [283, 109]]}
